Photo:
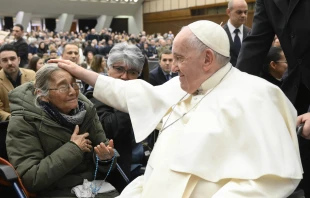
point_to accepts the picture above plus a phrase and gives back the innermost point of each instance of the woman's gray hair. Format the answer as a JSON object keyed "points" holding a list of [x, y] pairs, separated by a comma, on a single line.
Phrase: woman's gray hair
{"points": [[200, 46], [43, 76], [129, 54]]}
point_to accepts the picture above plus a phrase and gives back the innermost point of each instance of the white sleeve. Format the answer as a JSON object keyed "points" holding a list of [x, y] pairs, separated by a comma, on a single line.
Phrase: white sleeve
{"points": [[146, 104], [111, 92], [266, 186]]}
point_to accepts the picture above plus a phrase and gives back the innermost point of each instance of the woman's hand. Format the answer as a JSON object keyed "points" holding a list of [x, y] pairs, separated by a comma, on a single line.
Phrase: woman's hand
{"points": [[105, 152], [81, 140]]}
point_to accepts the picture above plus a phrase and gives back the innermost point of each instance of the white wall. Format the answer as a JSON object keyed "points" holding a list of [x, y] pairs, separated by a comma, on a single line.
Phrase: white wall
{"points": [[135, 22], [23, 19], [165, 5]]}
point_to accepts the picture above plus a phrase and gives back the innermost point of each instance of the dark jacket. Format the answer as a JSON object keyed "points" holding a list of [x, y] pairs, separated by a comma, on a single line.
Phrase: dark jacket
{"points": [[233, 51], [104, 51], [48, 163], [90, 49], [118, 127], [290, 23], [157, 76], [22, 51], [267, 76], [32, 49]]}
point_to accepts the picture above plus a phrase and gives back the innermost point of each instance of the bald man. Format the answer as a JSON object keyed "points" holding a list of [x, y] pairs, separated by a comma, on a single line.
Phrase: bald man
{"points": [[211, 144], [235, 27]]}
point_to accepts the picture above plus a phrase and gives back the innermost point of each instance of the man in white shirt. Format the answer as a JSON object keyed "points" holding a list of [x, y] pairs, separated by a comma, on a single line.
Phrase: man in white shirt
{"points": [[236, 30], [224, 134]]}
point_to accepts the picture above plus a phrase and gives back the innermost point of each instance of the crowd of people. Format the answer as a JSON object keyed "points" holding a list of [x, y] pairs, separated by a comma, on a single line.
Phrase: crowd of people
{"points": [[49, 44], [85, 110]]}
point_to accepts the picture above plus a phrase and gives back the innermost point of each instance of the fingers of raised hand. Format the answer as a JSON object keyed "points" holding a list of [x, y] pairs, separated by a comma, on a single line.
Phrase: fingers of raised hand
{"points": [[103, 152]]}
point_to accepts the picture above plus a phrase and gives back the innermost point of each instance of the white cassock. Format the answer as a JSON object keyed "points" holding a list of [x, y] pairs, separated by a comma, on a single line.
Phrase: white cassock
{"points": [[238, 138]]}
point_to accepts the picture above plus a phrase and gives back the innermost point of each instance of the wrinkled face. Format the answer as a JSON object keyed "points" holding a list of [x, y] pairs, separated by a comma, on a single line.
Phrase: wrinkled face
{"points": [[188, 62], [71, 52], [40, 63], [281, 65], [9, 62], [166, 62], [238, 14], [17, 32], [63, 101], [121, 71]]}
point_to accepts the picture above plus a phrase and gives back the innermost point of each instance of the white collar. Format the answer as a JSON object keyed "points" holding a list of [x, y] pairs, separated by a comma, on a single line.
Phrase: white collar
{"points": [[214, 80], [232, 28]]}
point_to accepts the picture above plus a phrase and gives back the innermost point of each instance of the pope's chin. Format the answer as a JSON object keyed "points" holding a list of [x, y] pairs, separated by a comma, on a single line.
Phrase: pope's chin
{"points": [[184, 85]]}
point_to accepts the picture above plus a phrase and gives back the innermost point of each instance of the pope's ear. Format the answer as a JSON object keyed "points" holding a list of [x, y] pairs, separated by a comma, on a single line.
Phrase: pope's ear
{"points": [[208, 59]]}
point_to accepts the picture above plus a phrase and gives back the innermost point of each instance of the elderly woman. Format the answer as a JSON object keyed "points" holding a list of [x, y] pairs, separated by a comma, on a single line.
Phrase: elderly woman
{"points": [[125, 62], [55, 139]]}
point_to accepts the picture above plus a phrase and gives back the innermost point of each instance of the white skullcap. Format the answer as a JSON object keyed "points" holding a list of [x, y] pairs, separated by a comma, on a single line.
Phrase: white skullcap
{"points": [[212, 35]]}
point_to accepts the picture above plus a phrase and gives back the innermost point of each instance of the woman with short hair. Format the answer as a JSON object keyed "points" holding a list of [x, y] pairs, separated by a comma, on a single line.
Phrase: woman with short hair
{"points": [[55, 139]]}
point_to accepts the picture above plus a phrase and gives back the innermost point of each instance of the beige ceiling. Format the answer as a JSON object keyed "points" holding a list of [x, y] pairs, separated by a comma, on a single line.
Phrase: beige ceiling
{"points": [[80, 8]]}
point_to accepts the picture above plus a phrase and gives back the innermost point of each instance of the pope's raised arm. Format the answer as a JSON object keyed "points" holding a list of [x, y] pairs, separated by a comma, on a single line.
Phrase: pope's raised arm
{"points": [[85, 75]]}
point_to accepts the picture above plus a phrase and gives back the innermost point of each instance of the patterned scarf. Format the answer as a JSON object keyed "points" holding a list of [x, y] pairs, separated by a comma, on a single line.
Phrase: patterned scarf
{"points": [[75, 117]]}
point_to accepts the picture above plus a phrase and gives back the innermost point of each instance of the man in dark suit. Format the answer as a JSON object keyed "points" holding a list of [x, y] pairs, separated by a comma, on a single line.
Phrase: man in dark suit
{"points": [[236, 30], [162, 72], [287, 19], [20, 44]]}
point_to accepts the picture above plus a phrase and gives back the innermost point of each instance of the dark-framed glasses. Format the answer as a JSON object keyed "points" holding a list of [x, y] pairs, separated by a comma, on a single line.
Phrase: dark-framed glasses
{"points": [[65, 88], [122, 70]]}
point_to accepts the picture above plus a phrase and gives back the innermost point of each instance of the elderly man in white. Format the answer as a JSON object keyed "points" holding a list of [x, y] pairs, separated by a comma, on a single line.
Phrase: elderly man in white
{"points": [[224, 134]]}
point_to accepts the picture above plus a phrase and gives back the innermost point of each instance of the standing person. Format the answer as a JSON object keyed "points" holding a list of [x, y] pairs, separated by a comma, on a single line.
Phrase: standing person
{"points": [[20, 44], [211, 143], [236, 30], [286, 19]]}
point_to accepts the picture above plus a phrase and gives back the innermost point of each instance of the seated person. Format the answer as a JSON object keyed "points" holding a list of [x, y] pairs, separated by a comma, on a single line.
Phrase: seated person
{"points": [[54, 136], [275, 66], [125, 62]]}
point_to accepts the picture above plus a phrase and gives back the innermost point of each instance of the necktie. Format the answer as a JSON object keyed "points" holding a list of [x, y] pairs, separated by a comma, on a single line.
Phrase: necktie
{"points": [[237, 42], [168, 77]]}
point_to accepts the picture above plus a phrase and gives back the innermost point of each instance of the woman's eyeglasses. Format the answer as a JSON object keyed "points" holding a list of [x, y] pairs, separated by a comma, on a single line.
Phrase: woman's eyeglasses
{"points": [[65, 88], [130, 72]]}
